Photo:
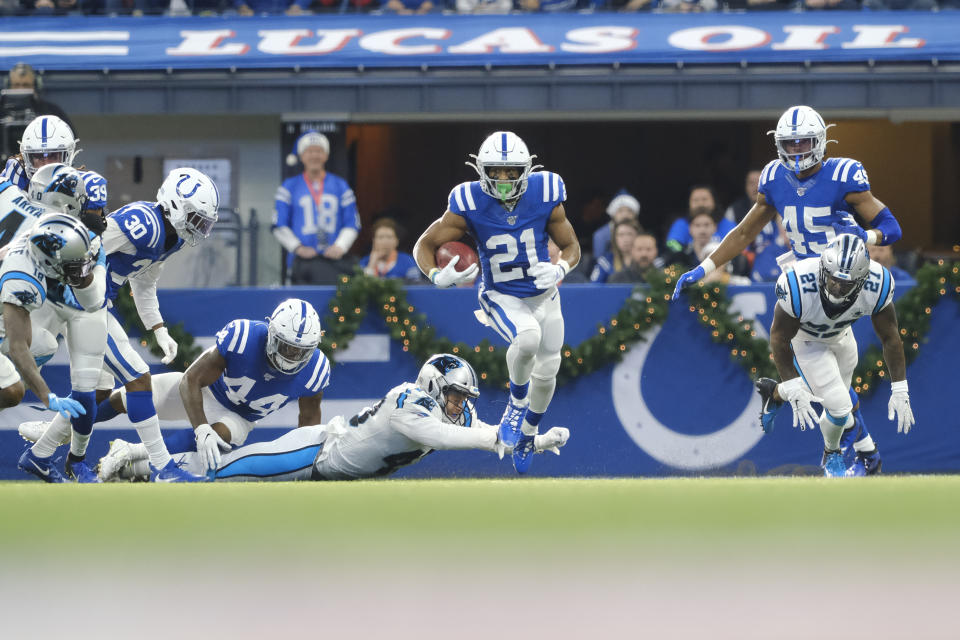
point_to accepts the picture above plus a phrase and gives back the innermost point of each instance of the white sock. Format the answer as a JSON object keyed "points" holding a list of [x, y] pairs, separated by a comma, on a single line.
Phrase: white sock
{"points": [[78, 443], [48, 443], [156, 450], [832, 432], [867, 444]]}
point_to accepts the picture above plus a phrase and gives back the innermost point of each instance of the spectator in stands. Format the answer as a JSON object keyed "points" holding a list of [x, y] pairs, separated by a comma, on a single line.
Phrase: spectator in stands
{"points": [[258, 7], [900, 5], [770, 243], [619, 255], [316, 217], [725, 274], [408, 7], [23, 79], [830, 5], [703, 233], [623, 207], [885, 256], [643, 257], [484, 6], [43, 7], [547, 6], [384, 260], [576, 274], [687, 6], [760, 5], [736, 211], [701, 200]]}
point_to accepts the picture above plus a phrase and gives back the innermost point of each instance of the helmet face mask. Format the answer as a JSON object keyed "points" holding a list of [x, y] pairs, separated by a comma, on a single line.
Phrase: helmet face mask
{"points": [[449, 379], [190, 200], [293, 334], [800, 138], [504, 165], [844, 268], [47, 140]]}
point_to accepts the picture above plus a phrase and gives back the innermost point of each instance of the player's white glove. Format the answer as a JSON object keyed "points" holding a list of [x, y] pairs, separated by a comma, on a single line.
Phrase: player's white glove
{"points": [[547, 274], [899, 406], [795, 392], [552, 440], [449, 276], [168, 344], [209, 445]]}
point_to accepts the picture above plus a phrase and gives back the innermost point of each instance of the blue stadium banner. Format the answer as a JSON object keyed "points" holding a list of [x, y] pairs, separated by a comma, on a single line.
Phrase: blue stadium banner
{"points": [[351, 41]]}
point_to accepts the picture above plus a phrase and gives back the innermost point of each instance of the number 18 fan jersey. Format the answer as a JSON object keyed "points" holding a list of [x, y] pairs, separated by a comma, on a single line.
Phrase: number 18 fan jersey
{"points": [[810, 206], [249, 386], [509, 242]]}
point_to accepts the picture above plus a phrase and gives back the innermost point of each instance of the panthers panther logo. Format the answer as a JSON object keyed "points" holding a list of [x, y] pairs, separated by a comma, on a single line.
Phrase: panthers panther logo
{"points": [[48, 243], [781, 292], [25, 297], [445, 364], [426, 402]]}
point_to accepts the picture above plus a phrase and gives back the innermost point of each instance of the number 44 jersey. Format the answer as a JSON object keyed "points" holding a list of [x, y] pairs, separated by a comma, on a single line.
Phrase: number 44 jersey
{"points": [[798, 293], [810, 206], [249, 386], [510, 242]]}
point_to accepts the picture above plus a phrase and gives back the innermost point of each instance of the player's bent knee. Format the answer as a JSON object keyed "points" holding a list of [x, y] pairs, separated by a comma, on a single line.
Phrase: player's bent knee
{"points": [[11, 395], [143, 383], [528, 342], [546, 368]]}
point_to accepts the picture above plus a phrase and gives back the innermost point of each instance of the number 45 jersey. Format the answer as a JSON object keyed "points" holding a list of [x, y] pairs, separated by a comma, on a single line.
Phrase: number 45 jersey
{"points": [[249, 386], [809, 207], [798, 293], [509, 242]]}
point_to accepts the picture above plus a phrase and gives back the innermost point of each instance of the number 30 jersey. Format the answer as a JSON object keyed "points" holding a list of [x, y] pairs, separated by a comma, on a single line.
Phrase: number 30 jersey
{"points": [[249, 386], [798, 293], [136, 227], [510, 242], [809, 207]]}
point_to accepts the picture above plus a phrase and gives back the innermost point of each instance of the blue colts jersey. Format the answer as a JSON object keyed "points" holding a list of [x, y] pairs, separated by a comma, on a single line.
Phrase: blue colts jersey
{"points": [[316, 225], [249, 386], [810, 206], [142, 224], [509, 242], [94, 184]]}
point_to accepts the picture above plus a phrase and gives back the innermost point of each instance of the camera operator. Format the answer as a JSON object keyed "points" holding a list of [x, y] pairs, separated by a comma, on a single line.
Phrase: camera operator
{"points": [[20, 103]]}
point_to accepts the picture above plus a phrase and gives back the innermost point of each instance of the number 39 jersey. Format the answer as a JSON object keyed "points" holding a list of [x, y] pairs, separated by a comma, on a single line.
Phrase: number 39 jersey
{"points": [[142, 224], [510, 242], [809, 207], [798, 293], [249, 386]]}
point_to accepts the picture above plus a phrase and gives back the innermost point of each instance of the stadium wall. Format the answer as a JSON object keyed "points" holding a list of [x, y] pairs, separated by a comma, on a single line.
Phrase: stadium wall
{"points": [[676, 404]]}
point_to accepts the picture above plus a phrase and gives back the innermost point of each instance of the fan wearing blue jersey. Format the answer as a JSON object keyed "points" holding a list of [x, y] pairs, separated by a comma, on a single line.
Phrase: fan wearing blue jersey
{"points": [[138, 238], [254, 369], [813, 196], [316, 217], [511, 212]]}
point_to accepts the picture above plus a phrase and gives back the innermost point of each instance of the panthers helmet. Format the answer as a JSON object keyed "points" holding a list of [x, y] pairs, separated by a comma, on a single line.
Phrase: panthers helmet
{"points": [[59, 187], [293, 334], [190, 200], [798, 124], [844, 267], [63, 248], [503, 149], [443, 372], [47, 140]]}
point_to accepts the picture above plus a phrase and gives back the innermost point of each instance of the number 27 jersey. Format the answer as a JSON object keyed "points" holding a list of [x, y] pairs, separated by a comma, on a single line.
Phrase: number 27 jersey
{"points": [[249, 386]]}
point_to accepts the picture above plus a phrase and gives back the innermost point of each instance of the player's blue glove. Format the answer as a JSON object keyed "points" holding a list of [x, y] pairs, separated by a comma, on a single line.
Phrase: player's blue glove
{"points": [[688, 279], [67, 407], [848, 226]]}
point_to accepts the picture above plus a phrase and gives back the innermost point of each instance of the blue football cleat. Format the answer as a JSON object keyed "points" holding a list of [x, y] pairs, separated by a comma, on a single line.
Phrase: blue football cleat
{"points": [[871, 461], [857, 469], [80, 473], [43, 468], [523, 453], [173, 473], [768, 406], [510, 423], [833, 466]]}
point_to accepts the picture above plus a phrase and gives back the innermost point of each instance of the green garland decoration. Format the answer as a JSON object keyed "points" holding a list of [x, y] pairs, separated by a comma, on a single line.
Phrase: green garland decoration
{"points": [[126, 309]]}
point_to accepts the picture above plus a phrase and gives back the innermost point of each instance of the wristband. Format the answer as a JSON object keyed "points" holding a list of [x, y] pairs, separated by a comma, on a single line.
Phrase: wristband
{"points": [[563, 264], [899, 387], [708, 266], [433, 272]]}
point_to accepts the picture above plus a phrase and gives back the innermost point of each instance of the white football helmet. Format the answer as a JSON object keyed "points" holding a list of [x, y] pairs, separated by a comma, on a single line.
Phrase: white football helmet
{"points": [[442, 372], [803, 126], [59, 187], [293, 334], [191, 201], [844, 267], [62, 248], [503, 149], [47, 140]]}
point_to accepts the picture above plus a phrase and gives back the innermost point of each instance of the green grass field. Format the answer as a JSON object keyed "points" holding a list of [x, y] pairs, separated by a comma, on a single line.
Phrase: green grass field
{"points": [[728, 549]]}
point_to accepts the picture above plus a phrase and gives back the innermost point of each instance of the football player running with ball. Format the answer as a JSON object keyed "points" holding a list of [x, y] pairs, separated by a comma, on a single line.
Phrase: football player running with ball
{"points": [[814, 197], [511, 212], [813, 346]]}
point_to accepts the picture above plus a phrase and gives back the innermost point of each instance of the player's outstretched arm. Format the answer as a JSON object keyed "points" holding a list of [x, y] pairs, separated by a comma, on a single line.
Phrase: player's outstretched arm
{"points": [[432, 432], [733, 243], [887, 329], [310, 410]]}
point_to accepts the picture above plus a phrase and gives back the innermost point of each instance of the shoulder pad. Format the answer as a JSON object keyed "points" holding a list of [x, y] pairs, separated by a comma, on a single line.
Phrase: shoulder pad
{"points": [[462, 198], [769, 172], [233, 338], [551, 186], [319, 373]]}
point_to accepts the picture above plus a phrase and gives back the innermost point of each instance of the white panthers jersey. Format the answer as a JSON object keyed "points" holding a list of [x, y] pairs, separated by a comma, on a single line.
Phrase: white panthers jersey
{"points": [[798, 293], [404, 426], [22, 283], [17, 213]]}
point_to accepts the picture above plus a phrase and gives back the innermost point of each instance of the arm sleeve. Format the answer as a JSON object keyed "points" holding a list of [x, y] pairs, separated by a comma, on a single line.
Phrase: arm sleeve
{"points": [[287, 238], [283, 210], [888, 226], [93, 296], [349, 216], [144, 289], [429, 431], [345, 238]]}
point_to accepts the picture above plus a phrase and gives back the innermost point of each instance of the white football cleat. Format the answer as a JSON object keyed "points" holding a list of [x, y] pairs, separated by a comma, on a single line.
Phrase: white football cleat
{"points": [[118, 456], [31, 431]]}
